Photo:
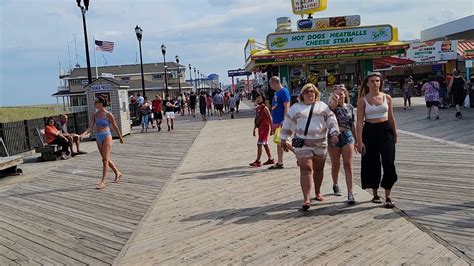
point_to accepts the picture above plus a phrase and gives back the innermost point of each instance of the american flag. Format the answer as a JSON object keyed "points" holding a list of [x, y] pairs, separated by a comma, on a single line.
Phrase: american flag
{"points": [[104, 46]]}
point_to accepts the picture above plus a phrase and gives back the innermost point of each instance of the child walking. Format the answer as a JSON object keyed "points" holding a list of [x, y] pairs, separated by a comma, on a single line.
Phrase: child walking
{"points": [[263, 121]]}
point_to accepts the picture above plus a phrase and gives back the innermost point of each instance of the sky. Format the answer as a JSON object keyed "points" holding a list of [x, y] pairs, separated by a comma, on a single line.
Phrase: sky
{"points": [[208, 34]]}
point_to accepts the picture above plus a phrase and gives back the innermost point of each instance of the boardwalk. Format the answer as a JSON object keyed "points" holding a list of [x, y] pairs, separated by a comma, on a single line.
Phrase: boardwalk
{"points": [[57, 216], [213, 209]]}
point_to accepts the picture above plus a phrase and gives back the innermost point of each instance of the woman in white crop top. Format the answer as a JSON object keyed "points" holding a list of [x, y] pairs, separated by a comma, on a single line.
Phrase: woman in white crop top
{"points": [[376, 138]]}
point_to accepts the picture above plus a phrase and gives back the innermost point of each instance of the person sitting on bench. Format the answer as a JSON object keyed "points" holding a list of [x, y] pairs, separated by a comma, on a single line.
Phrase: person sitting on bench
{"points": [[53, 136], [71, 137]]}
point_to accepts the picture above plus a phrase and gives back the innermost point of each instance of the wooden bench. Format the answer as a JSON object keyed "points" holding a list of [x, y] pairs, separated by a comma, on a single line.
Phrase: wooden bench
{"points": [[9, 164], [49, 152]]}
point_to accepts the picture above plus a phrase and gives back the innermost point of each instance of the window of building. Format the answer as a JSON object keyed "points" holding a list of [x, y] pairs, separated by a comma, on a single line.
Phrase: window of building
{"points": [[157, 76], [126, 79]]}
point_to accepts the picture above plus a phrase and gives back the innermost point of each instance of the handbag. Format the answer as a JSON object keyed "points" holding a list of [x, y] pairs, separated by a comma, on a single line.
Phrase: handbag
{"points": [[467, 101], [276, 137], [298, 142]]}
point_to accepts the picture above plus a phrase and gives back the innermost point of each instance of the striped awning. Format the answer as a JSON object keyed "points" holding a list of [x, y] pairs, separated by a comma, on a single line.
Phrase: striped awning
{"points": [[464, 46]]}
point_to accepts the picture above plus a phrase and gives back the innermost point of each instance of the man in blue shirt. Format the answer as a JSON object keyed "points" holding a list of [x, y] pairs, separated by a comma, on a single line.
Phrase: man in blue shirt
{"points": [[280, 107]]}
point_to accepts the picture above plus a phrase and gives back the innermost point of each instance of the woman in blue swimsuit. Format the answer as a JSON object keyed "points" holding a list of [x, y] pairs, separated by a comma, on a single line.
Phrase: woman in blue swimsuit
{"points": [[102, 120]]}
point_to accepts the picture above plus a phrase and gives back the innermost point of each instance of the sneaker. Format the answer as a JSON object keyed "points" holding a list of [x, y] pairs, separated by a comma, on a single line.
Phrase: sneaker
{"points": [[169, 128], [172, 127], [256, 164], [458, 115], [269, 161], [437, 117], [428, 117], [337, 191], [350, 198]]}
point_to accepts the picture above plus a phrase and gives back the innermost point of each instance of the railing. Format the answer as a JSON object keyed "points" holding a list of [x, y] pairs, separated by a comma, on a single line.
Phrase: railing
{"points": [[70, 109], [63, 88], [19, 136]]}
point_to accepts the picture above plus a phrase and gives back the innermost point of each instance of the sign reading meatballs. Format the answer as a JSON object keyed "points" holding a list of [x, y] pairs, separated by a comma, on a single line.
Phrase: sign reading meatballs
{"points": [[327, 38], [302, 7]]}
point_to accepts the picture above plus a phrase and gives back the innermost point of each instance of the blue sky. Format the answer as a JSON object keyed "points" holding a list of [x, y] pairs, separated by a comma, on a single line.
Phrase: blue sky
{"points": [[209, 34]]}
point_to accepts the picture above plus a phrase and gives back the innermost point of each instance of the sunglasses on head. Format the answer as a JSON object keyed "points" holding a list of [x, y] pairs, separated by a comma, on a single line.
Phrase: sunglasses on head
{"points": [[372, 74]]}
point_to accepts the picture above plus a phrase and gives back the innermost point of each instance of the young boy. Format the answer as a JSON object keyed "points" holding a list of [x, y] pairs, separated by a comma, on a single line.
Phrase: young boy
{"points": [[263, 121]]}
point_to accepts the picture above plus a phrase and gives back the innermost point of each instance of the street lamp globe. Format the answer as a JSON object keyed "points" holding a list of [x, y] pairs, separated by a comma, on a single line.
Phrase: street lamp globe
{"points": [[177, 59], [139, 32], [163, 49]]}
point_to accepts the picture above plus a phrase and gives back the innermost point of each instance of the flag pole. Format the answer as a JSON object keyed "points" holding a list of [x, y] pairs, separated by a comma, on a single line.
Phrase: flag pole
{"points": [[95, 59]]}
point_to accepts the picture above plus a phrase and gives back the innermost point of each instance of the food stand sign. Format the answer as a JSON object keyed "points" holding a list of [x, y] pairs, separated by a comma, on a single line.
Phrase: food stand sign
{"points": [[327, 38], [422, 52], [329, 22], [302, 7]]}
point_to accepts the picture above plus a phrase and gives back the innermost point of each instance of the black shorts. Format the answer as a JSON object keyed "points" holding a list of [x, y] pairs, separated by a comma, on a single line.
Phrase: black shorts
{"points": [[432, 103], [218, 107], [158, 115]]}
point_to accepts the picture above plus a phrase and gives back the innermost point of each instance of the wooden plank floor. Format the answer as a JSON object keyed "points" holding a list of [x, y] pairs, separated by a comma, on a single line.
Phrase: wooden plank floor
{"points": [[53, 215], [436, 184], [218, 211]]}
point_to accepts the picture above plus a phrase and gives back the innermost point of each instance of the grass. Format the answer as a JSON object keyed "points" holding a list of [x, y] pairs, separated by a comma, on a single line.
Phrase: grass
{"points": [[17, 113]]}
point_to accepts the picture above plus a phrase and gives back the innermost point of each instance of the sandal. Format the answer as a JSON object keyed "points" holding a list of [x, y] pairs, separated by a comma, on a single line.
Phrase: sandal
{"points": [[117, 178], [276, 166], [376, 199], [306, 206], [100, 186], [389, 204], [318, 198]]}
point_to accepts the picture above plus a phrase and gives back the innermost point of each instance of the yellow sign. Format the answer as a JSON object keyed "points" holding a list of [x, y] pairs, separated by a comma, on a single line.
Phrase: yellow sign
{"points": [[302, 7]]}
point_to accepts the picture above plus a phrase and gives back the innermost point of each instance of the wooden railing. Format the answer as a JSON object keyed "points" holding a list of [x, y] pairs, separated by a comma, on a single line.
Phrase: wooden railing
{"points": [[19, 136]]}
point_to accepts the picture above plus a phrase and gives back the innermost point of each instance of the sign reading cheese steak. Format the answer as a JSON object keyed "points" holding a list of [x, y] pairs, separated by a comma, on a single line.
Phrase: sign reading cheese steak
{"points": [[328, 38]]}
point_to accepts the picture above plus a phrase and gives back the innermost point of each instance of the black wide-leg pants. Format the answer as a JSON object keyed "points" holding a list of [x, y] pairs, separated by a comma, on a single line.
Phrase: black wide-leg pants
{"points": [[379, 151]]}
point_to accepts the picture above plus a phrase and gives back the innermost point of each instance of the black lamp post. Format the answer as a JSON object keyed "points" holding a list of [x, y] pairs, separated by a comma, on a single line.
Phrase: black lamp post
{"points": [[139, 33], [84, 8], [163, 51], [195, 78], [191, 76], [179, 78], [199, 80]]}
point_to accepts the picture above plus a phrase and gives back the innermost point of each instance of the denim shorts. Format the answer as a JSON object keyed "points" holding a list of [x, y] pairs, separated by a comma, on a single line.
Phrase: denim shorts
{"points": [[346, 137]]}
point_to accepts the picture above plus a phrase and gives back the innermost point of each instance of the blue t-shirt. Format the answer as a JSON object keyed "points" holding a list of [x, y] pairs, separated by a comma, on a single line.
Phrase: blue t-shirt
{"points": [[278, 109]]}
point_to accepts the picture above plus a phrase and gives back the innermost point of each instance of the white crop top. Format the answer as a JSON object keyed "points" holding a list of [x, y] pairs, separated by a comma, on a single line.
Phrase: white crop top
{"points": [[376, 111]]}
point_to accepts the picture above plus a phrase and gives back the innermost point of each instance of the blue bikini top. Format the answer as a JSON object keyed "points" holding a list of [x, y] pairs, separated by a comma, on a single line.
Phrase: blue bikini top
{"points": [[102, 122]]}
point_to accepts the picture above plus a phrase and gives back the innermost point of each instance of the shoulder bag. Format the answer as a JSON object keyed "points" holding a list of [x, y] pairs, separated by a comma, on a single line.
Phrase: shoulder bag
{"points": [[298, 142]]}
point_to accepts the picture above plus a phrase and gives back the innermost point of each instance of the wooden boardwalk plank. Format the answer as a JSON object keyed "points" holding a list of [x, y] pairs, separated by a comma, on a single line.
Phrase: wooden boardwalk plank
{"points": [[219, 211], [57, 214]]}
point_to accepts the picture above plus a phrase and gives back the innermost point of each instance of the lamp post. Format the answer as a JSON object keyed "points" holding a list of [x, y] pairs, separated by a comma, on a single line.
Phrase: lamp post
{"points": [[84, 8], [139, 33], [163, 51], [179, 78], [199, 80], [195, 78], [191, 76]]}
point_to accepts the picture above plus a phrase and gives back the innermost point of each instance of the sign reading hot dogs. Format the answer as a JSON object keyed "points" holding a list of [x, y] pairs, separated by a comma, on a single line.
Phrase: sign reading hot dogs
{"points": [[328, 38]]}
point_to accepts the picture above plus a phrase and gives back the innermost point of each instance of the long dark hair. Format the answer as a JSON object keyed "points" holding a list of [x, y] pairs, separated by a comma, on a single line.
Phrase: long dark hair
{"points": [[49, 119], [364, 89], [101, 99]]}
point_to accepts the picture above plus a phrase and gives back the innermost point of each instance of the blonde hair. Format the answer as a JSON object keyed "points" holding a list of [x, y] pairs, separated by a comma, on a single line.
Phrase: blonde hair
{"points": [[306, 87], [346, 92]]}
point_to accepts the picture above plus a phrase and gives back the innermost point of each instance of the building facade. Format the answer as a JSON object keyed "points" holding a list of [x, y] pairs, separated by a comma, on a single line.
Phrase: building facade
{"points": [[72, 90]]}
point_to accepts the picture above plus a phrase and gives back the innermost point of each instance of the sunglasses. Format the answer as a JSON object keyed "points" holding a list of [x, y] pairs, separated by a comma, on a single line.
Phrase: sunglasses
{"points": [[309, 91], [372, 74]]}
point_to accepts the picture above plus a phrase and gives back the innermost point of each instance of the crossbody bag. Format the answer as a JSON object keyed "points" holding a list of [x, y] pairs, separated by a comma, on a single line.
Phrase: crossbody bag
{"points": [[298, 142]]}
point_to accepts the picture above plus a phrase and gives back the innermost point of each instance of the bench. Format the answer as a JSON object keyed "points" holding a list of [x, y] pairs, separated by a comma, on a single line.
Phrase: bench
{"points": [[49, 152], [9, 164]]}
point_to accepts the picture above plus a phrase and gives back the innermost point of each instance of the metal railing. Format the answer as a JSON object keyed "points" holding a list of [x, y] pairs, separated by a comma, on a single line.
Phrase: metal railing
{"points": [[19, 136]]}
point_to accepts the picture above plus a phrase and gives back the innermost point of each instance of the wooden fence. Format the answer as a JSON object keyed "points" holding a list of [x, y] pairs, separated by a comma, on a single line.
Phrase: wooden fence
{"points": [[20, 137]]}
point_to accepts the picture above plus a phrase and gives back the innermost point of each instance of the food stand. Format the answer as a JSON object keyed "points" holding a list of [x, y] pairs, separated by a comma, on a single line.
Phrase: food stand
{"points": [[323, 51]]}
